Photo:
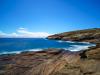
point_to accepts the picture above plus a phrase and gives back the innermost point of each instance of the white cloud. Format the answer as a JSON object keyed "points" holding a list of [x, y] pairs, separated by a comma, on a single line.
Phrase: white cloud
{"points": [[24, 33]]}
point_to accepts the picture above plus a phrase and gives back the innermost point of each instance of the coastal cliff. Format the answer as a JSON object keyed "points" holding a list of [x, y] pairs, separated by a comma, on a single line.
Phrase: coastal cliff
{"points": [[87, 35], [57, 61]]}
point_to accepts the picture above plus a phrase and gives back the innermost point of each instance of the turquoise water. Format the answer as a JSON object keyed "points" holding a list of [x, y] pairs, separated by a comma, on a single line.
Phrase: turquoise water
{"points": [[16, 45]]}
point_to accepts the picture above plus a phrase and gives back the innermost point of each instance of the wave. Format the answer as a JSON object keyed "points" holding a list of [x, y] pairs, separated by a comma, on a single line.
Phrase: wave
{"points": [[60, 41], [18, 52], [78, 42], [79, 47], [12, 52], [73, 42]]}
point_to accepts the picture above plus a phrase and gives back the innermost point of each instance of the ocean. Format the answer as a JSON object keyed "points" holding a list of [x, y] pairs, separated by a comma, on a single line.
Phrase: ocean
{"points": [[17, 45]]}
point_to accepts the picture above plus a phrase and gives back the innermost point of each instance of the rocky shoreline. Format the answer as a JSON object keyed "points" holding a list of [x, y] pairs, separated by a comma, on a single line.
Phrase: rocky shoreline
{"points": [[57, 61], [88, 35]]}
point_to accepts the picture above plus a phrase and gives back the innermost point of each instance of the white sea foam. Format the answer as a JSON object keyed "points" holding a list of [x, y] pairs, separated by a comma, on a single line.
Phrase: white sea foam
{"points": [[34, 49], [60, 41], [12, 52], [79, 47], [73, 42], [78, 42], [70, 41], [18, 52]]}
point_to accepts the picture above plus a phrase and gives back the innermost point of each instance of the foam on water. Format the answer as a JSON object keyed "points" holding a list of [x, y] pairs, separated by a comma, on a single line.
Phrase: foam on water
{"points": [[12, 52], [18, 52], [79, 47], [60, 41]]}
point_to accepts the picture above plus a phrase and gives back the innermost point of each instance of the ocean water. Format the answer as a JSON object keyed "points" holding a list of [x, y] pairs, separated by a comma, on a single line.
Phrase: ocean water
{"points": [[17, 45]]}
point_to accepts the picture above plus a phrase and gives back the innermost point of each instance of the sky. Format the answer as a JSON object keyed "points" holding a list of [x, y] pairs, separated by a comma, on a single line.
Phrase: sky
{"points": [[40, 18]]}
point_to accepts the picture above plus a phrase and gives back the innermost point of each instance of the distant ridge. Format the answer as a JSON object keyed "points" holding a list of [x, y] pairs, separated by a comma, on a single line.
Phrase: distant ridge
{"points": [[78, 35]]}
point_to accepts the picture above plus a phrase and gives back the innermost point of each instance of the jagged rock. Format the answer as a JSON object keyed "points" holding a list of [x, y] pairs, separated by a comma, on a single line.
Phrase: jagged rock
{"points": [[93, 54]]}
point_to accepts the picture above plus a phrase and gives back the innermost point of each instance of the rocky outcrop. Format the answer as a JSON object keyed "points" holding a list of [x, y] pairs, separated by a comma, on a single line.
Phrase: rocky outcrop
{"points": [[57, 61], [89, 35]]}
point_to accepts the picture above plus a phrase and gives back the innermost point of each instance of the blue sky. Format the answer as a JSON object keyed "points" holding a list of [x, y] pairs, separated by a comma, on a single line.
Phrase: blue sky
{"points": [[51, 16]]}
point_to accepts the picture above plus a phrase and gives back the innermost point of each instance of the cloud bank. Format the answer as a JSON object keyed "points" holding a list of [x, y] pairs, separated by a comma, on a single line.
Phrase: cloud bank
{"points": [[24, 33]]}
